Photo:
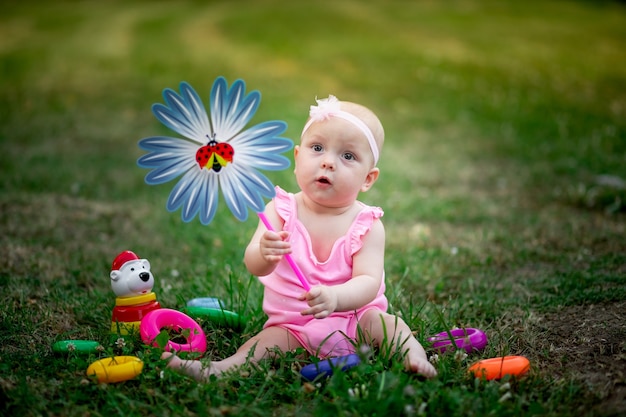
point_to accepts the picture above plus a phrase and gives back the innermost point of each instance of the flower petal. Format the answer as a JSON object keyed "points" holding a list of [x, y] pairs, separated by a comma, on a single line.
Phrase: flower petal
{"points": [[267, 162], [262, 135], [197, 193], [169, 156], [260, 146], [231, 109], [208, 198], [184, 113], [244, 187], [185, 195]]}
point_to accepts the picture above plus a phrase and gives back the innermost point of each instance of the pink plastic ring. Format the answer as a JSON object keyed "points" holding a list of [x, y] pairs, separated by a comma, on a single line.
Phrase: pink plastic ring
{"points": [[156, 320], [469, 339]]}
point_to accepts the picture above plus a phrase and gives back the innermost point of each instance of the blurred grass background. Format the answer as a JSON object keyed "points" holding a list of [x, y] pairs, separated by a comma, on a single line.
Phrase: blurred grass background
{"points": [[503, 183]]}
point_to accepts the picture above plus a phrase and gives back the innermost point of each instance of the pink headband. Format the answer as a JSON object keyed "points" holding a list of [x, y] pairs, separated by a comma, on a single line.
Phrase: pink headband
{"points": [[331, 107]]}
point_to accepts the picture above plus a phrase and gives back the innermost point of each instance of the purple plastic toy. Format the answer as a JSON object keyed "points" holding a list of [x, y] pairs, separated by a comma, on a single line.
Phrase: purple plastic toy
{"points": [[469, 339]]}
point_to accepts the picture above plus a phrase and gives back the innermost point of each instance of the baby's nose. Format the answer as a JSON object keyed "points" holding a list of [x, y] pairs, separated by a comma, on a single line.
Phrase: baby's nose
{"points": [[144, 276], [328, 163]]}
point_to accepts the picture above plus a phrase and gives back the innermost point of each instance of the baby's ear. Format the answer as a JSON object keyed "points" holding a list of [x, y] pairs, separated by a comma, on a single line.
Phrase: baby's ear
{"points": [[371, 178]]}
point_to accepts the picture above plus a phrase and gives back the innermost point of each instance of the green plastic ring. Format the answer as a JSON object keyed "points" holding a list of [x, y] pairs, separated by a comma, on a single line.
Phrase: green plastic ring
{"points": [[216, 315], [82, 346]]}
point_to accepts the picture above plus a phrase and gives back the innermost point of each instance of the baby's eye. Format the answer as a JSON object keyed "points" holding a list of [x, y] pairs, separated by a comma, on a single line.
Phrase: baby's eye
{"points": [[317, 148], [349, 156]]}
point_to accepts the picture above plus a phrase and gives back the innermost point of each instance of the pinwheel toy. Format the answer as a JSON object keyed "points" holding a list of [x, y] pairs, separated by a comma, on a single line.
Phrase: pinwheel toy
{"points": [[216, 153]]}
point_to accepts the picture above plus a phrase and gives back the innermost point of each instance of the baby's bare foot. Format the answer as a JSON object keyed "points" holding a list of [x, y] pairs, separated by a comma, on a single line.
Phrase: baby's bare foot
{"points": [[192, 368], [421, 366]]}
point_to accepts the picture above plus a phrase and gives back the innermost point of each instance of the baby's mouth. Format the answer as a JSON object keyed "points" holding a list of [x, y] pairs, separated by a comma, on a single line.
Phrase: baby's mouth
{"points": [[323, 180]]}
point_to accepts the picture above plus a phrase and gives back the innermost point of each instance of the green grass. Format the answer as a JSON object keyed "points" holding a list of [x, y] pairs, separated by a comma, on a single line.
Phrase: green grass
{"points": [[503, 184]]}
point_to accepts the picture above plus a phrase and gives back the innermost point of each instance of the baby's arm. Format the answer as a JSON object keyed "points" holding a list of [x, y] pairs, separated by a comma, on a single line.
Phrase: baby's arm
{"points": [[266, 248], [362, 288]]}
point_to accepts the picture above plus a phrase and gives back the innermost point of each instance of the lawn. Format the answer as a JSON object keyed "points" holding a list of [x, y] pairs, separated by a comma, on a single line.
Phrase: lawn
{"points": [[503, 181]]}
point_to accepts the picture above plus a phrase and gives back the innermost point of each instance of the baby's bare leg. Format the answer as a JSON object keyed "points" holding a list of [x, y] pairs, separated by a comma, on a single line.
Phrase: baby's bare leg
{"points": [[386, 327], [193, 368], [257, 348]]}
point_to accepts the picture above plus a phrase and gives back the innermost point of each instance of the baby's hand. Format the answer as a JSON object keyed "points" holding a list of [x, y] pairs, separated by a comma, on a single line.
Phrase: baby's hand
{"points": [[274, 246], [321, 300]]}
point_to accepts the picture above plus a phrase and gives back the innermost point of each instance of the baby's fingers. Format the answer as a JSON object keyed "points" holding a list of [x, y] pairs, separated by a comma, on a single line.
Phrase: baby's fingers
{"points": [[272, 254], [318, 311], [310, 295]]}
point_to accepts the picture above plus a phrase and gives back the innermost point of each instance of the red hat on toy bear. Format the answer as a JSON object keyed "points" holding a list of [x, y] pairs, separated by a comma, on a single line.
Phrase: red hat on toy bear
{"points": [[122, 258]]}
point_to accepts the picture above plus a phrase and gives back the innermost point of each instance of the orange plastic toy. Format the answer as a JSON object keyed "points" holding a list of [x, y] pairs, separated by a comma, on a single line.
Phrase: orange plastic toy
{"points": [[496, 368]]}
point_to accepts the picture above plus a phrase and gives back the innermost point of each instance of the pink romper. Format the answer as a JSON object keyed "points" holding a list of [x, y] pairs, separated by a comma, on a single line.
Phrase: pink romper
{"points": [[335, 334]]}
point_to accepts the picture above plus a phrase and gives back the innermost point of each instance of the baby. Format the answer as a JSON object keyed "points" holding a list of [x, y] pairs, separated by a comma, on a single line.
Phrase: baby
{"points": [[337, 242]]}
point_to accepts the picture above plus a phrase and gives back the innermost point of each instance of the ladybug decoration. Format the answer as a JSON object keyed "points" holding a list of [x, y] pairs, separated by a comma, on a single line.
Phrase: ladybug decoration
{"points": [[215, 155]]}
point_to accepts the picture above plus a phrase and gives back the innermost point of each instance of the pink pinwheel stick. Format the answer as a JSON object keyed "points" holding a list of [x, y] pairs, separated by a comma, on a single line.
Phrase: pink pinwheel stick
{"points": [[290, 260]]}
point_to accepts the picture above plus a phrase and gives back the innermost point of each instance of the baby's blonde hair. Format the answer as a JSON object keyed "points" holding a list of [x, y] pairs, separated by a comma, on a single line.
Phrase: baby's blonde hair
{"points": [[369, 118], [359, 115]]}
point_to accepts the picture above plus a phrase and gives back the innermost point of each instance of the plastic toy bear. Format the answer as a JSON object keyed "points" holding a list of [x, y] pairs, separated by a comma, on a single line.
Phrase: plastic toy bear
{"points": [[132, 283]]}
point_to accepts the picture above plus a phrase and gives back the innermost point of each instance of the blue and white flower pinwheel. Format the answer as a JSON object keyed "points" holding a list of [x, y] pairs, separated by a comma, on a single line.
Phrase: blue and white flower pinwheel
{"points": [[216, 153]]}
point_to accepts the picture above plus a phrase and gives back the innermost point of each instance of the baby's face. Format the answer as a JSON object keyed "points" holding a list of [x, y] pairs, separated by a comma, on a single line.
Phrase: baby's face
{"points": [[334, 162]]}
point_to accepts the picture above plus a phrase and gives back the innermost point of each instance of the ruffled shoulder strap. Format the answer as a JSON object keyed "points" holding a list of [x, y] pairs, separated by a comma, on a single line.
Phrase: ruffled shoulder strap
{"points": [[285, 205], [362, 225]]}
